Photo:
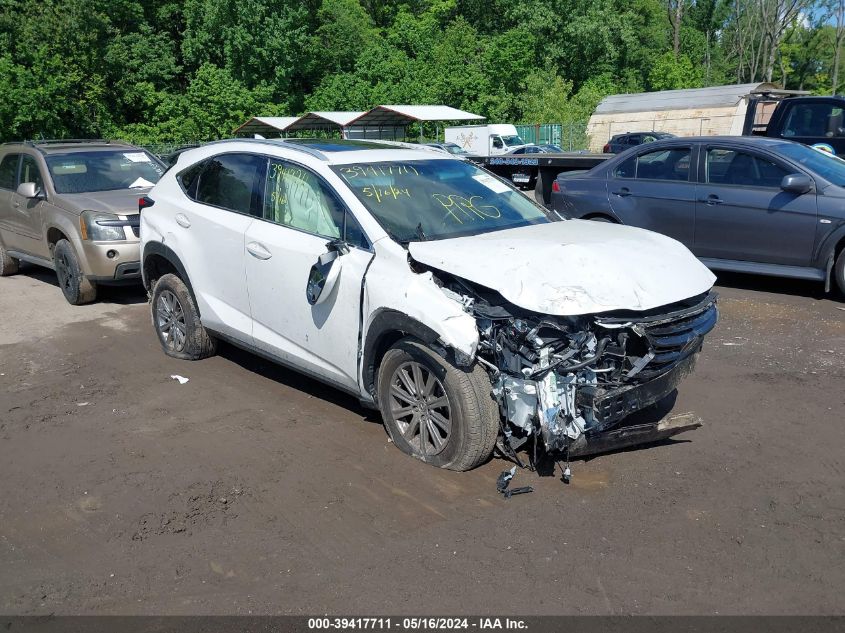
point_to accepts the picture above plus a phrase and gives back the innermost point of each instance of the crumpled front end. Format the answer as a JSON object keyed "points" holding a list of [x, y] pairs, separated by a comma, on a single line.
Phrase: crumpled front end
{"points": [[568, 380]]}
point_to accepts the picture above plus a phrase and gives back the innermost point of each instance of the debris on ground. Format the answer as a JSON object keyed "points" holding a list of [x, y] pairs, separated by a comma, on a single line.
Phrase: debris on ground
{"points": [[182, 380], [504, 481]]}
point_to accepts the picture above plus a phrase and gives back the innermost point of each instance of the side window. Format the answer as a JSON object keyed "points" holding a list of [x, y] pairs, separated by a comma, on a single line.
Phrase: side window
{"points": [[664, 164], [297, 198], [626, 169], [729, 167], [234, 182], [30, 172], [814, 119], [189, 179], [353, 233], [9, 171]]}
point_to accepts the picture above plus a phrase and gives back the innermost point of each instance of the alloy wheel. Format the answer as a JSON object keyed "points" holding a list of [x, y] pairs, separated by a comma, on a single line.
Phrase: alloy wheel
{"points": [[170, 321], [420, 408]]}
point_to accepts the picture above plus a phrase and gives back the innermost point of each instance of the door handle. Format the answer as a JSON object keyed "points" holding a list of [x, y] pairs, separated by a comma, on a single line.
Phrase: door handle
{"points": [[182, 220], [258, 251], [711, 199], [624, 191]]}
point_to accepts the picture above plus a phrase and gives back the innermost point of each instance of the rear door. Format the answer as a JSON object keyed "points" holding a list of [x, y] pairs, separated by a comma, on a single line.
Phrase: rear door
{"points": [[223, 199], [655, 189], [743, 214], [9, 218]]}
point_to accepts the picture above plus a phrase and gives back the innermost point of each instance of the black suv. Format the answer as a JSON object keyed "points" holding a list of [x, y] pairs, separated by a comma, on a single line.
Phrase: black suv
{"points": [[620, 142]]}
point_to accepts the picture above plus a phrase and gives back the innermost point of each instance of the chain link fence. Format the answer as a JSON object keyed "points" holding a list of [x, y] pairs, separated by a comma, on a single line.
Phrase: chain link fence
{"points": [[570, 137]]}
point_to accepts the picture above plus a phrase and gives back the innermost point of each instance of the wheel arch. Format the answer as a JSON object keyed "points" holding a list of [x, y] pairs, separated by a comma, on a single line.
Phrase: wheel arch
{"points": [[829, 250], [159, 260], [386, 328], [600, 214]]}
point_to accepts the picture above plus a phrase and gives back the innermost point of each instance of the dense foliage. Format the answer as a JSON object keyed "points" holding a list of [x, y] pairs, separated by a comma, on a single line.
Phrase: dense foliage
{"points": [[171, 70]]}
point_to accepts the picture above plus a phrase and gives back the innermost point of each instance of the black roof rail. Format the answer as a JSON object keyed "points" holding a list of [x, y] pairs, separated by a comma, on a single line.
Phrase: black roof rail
{"points": [[279, 142], [70, 141]]}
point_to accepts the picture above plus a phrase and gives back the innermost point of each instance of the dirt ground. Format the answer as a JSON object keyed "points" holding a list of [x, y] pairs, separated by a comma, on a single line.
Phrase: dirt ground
{"points": [[252, 490]]}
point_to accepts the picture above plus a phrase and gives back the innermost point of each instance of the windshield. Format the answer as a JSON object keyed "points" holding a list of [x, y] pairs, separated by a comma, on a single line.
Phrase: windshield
{"points": [[513, 141], [437, 199], [826, 165], [455, 149], [83, 172]]}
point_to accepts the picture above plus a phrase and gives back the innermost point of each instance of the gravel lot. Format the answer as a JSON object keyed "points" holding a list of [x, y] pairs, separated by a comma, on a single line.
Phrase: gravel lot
{"points": [[252, 490]]}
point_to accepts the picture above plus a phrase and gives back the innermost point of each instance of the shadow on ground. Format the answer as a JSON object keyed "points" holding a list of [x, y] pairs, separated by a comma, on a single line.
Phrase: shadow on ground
{"points": [[131, 294]]}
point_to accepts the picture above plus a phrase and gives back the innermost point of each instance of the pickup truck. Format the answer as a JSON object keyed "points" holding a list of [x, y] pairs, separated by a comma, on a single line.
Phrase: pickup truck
{"points": [[538, 170], [815, 121]]}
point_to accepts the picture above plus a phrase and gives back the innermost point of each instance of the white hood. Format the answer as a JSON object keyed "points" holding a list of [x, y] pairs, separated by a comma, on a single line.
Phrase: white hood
{"points": [[573, 267]]}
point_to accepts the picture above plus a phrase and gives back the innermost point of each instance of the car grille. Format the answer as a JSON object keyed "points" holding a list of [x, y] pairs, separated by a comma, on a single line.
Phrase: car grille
{"points": [[672, 335]]}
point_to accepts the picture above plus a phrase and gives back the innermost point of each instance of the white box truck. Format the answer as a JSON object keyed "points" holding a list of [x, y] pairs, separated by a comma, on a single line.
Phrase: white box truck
{"points": [[485, 140]]}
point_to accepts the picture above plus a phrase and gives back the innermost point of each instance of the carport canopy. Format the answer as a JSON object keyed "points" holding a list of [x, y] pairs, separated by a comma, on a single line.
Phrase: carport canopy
{"points": [[323, 121], [403, 115], [266, 125]]}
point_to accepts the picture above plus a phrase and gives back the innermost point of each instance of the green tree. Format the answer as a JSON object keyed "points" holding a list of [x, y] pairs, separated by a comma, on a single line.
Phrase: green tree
{"points": [[670, 73]]}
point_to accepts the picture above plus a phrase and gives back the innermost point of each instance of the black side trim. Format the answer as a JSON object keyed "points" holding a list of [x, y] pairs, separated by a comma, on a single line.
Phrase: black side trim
{"points": [[386, 323], [157, 248]]}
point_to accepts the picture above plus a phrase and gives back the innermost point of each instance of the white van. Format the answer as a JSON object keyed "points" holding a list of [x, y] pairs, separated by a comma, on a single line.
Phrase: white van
{"points": [[485, 140]]}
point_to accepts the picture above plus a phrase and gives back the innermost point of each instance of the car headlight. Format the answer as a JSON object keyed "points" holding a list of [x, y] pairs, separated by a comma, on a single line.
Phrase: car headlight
{"points": [[102, 227]]}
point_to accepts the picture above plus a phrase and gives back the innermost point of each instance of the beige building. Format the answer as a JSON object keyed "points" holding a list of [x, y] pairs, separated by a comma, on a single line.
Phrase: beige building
{"points": [[719, 110]]}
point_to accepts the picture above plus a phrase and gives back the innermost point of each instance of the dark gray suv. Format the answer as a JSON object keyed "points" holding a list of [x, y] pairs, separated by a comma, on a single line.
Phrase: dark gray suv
{"points": [[745, 204]]}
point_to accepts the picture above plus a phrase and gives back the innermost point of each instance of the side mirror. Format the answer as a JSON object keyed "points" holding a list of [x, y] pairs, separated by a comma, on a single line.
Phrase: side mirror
{"points": [[797, 184], [325, 273], [28, 190]]}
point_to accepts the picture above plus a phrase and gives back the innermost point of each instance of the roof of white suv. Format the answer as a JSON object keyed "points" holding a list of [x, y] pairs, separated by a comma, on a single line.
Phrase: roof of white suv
{"points": [[341, 151]]}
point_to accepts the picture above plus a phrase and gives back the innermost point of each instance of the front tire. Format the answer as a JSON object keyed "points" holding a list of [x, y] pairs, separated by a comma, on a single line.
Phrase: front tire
{"points": [[8, 265], [435, 411], [177, 323], [75, 287]]}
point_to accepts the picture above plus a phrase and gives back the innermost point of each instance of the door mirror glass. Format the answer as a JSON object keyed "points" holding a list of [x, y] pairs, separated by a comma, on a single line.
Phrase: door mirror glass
{"points": [[324, 274], [796, 183], [28, 190]]}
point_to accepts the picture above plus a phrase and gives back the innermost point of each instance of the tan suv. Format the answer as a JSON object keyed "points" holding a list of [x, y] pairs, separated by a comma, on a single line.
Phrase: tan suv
{"points": [[73, 206]]}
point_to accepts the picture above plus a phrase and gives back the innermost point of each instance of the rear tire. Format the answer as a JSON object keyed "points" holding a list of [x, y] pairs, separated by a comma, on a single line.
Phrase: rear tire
{"points": [[435, 411], [76, 288], [8, 265], [538, 191], [839, 271], [177, 323]]}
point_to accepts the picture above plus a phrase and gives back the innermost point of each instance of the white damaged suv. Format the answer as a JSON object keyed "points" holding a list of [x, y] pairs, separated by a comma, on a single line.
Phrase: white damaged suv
{"points": [[430, 289]]}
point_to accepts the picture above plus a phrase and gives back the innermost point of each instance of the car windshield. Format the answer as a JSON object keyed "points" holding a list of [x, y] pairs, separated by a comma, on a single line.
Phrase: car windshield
{"points": [[512, 141], [826, 165], [83, 172], [437, 199], [455, 149]]}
